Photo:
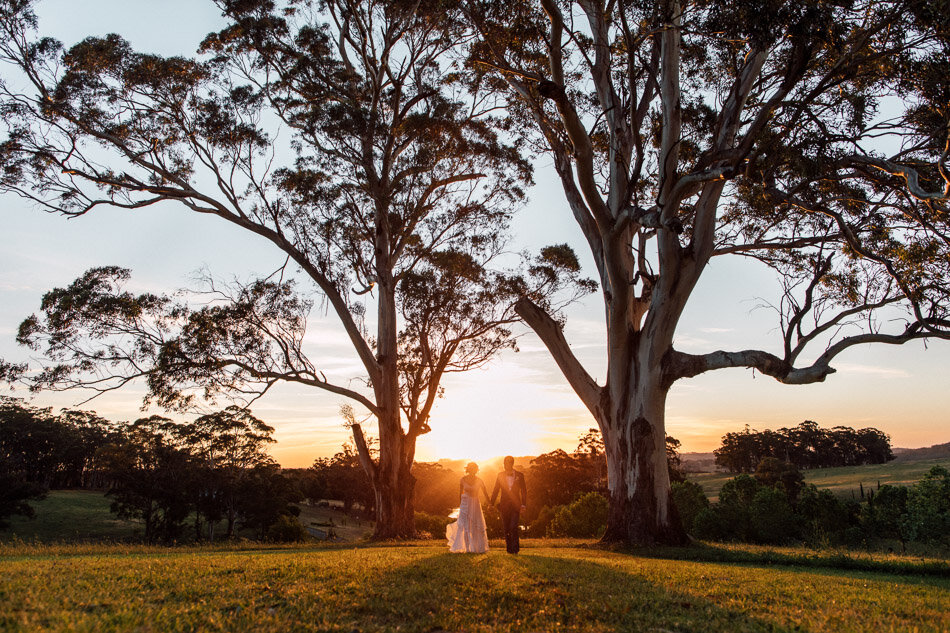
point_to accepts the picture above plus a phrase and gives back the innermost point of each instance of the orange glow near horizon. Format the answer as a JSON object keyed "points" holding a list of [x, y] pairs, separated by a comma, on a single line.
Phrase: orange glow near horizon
{"points": [[470, 436]]}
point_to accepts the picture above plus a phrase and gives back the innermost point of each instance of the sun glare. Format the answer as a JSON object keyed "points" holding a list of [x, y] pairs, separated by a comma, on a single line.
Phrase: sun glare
{"points": [[475, 435], [475, 439]]}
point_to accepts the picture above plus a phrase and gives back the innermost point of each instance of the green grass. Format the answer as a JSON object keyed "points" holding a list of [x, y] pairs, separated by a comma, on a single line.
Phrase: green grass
{"points": [[71, 515], [420, 587], [842, 481], [83, 515]]}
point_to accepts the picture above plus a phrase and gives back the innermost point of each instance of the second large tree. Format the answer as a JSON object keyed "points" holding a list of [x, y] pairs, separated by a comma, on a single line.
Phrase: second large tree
{"points": [[810, 136]]}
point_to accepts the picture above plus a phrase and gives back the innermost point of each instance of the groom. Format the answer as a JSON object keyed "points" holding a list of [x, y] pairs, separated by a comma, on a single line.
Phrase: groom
{"points": [[514, 495]]}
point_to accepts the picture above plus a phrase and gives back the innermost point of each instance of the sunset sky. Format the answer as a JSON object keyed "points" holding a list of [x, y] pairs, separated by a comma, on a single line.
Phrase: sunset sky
{"points": [[519, 403]]}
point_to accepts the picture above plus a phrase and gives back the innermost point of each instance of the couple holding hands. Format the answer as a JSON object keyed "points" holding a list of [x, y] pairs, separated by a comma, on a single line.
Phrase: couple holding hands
{"points": [[468, 533]]}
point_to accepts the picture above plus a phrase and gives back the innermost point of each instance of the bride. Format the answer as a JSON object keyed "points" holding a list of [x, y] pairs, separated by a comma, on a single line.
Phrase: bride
{"points": [[468, 533]]}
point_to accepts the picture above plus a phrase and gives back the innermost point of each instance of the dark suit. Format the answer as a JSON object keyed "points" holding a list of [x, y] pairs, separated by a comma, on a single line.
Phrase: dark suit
{"points": [[512, 499]]}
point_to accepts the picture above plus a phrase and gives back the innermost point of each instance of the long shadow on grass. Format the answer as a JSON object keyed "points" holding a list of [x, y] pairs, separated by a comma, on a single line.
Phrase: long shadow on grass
{"points": [[817, 562], [461, 592]]}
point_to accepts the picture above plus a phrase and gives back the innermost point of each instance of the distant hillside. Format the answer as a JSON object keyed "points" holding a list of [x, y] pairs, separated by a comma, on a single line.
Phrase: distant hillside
{"points": [[698, 462], [914, 454], [846, 481]]}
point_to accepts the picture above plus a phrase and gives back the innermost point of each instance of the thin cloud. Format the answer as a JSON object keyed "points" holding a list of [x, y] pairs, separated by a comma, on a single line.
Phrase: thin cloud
{"points": [[876, 370], [686, 341]]}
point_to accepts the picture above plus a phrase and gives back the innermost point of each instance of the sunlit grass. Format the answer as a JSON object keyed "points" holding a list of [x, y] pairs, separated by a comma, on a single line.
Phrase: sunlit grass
{"points": [[420, 587]]}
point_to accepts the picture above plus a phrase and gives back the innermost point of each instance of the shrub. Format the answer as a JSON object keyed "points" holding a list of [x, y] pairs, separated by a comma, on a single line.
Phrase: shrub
{"points": [[585, 517], [431, 525], [780, 475], [539, 527], [885, 513], [825, 519], [709, 525], [690, 500], [739, 491], [748, 511], [287, 529], [773, 520], [732, 520], [928, 507]]}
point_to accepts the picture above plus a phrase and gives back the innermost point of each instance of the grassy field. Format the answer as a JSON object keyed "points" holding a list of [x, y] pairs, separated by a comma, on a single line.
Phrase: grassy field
{"points": [[842, 481], [419, 587], [82, 515], [71, 515]]}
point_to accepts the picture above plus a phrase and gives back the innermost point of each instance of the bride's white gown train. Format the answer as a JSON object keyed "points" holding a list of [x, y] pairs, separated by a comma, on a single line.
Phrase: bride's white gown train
{"points": [[468, 533]]}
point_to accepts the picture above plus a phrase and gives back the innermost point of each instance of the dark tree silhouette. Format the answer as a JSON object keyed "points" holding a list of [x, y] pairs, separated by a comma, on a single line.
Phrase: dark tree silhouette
{"points": [[393, 207], [227, 446], [805, 446], [342, 478], [149, 474]]}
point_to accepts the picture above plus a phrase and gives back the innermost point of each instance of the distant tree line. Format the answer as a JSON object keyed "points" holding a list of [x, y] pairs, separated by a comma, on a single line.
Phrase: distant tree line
{"points": [[51, 451], [805, 446], [775, 506], [567, 491], [212, 471], [772, 504]]}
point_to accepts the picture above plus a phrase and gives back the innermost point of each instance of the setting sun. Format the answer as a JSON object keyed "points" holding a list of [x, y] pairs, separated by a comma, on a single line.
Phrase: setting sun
{"points": [[462, 431], [503, 410]]}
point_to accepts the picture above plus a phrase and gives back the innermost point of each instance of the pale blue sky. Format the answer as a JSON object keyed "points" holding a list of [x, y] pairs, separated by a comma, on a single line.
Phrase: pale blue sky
{"points": [[902, 391]]}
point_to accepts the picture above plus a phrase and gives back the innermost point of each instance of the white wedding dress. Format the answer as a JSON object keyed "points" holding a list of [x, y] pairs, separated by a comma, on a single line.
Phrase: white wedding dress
{"points": [[468, 533]]}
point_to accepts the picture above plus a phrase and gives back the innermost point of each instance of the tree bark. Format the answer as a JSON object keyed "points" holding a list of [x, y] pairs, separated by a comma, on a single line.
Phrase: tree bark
{"points": [[391, 476], [630, 411], [395, 515], [641, 506], [392, 482]]}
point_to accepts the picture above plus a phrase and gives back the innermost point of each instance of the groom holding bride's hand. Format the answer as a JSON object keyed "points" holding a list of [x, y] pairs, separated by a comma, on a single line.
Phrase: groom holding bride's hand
{"points": [[514, 495]]}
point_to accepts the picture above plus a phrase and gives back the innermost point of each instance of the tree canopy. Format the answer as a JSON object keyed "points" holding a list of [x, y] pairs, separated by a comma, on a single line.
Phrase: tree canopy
{"points": [[812, 137], [806, 446], [390, 200]]}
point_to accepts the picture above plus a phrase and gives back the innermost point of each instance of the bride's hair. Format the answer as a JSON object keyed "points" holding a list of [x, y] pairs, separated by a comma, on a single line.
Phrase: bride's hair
{"points": [[471, 468]]}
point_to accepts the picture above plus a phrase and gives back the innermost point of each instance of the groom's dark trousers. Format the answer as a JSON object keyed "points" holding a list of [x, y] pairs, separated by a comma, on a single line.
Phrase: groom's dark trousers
{"points": [[510, 517], [513, 497]]}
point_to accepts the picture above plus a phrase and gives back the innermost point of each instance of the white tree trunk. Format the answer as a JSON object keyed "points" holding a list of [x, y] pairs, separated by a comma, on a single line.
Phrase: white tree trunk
{"points": [[641, 507]]}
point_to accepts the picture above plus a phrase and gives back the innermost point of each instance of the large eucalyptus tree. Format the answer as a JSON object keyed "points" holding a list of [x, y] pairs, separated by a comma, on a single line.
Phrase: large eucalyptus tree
{"points": [[809, 135], [393, 195]]}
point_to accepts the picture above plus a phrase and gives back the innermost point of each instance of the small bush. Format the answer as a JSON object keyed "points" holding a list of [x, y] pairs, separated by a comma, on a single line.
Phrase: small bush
{"points": [[709, 525], [825, 519], [885, 513], [690, 500], [585, 517], [539, 527], [773, 520], [780, 475], [287, 529], [928, 508], [431, 525]]}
